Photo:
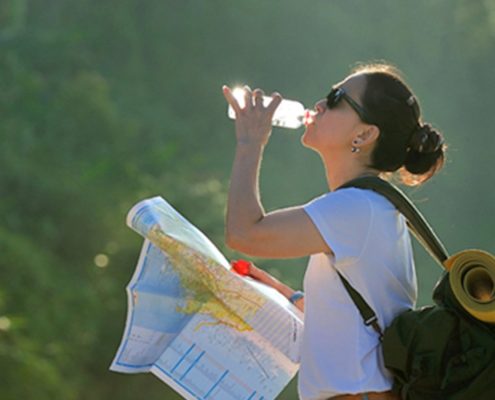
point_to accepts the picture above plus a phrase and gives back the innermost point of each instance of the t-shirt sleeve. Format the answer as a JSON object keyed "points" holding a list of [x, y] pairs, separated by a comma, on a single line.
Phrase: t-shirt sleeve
{"points": [[343, 219]]}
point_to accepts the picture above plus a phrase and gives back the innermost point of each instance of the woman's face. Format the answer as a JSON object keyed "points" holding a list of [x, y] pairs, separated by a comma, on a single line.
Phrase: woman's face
{"points": [[333, 130]]}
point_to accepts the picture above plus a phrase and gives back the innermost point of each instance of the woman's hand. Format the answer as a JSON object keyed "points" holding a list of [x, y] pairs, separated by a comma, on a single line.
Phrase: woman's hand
{"points": [[253, 121], [247, 268]]}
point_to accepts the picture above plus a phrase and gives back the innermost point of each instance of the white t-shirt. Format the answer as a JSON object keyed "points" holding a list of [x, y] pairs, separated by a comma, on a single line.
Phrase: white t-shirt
{"points": [[372, 250]]}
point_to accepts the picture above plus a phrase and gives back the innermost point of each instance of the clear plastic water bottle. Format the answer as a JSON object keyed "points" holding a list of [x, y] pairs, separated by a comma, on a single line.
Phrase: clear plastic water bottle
{"points": [[289, 113]]}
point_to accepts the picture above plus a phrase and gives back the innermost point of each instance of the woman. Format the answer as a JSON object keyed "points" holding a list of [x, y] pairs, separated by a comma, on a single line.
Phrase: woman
{"points": [[369, 124]]}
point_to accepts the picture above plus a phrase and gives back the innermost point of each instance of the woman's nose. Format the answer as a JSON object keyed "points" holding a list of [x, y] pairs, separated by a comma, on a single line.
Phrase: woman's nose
{"points": [[320, 106]]}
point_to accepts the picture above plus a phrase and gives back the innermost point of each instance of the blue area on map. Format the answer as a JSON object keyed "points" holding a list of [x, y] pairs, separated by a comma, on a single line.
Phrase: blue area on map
{"points": [[143, 220], [160, 295]]}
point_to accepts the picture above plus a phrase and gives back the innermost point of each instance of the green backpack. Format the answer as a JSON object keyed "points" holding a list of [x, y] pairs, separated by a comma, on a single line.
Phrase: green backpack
{"points": [[445, 351]]}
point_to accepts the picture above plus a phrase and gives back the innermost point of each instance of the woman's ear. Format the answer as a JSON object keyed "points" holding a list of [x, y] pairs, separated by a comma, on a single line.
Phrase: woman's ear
{"points": [[368, 136]]}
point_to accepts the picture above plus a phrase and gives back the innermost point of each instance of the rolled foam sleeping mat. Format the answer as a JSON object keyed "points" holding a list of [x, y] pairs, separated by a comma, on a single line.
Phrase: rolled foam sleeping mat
{"points": [[472, 278]]}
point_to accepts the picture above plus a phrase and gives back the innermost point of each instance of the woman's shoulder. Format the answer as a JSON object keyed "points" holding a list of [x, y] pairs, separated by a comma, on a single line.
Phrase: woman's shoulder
{"points": [[350, 204], [352, 197], [341, 204]]}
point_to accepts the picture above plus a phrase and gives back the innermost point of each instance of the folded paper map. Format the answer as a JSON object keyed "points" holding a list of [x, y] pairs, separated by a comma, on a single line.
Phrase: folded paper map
{"points": [[201, 328]]}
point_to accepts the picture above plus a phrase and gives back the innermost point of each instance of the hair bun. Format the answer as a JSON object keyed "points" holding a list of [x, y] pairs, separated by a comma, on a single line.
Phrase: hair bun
{"points": [[425, 154], [425, 140]]}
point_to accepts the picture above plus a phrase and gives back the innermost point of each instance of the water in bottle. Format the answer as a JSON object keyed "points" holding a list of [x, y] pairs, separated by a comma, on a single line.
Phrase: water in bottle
{"points": [[289, 113]]}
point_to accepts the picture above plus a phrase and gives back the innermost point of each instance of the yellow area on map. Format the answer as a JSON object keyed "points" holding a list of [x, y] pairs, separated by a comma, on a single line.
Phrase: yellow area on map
{"points": [[210, 288]]}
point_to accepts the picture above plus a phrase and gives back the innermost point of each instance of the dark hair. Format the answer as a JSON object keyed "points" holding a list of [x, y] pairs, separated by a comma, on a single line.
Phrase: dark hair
{"points": [[405, 143]]}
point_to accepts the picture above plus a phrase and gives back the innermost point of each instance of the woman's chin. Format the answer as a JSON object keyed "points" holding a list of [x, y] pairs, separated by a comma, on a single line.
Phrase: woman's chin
{"points": [[304, 140], [306, 137]]}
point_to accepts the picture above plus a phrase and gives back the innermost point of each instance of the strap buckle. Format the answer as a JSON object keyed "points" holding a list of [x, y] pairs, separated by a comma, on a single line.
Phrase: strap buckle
{"points": [[371, 320]]}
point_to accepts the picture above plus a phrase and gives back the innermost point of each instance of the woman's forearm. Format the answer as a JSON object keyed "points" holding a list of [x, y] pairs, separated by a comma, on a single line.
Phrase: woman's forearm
{"points": [[264, 277], [287, 292], [244, 208], [253, 128]]}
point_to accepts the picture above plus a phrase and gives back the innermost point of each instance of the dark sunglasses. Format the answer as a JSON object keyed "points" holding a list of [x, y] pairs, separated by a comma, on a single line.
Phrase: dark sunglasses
{"points": [[337, 94]]}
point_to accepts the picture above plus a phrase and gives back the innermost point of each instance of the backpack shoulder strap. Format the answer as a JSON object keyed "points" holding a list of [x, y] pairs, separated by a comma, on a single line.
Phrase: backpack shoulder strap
{"points": [[416, 223], [367, 314], [415, 220]]}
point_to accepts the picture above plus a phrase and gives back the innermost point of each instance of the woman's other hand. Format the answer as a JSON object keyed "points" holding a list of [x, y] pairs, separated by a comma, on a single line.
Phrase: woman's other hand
{"points": [[253, 119], [264, 277]]}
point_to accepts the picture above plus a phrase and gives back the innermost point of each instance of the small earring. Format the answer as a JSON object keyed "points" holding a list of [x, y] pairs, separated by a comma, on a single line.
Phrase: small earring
{"points": [[355, 149]]}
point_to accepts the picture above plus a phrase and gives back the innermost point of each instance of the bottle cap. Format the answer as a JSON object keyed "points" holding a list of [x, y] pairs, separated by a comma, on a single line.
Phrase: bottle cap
{"points": [[309, 117], [242, 267]]}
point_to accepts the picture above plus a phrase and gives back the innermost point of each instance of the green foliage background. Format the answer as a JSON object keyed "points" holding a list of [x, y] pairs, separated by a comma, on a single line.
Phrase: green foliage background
{"points": [[104, 103]]}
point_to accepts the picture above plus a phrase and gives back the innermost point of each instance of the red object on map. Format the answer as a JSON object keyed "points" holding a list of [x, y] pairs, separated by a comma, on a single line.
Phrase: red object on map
{"points": [[242, 267]]}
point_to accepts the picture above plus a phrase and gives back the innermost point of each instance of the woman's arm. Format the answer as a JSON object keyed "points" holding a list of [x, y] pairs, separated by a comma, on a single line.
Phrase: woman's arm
{"points": [[284, 233]]}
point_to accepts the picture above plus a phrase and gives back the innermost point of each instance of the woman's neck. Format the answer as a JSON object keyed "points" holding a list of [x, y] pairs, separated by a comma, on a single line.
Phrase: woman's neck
{"points": [[340, 171]]}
